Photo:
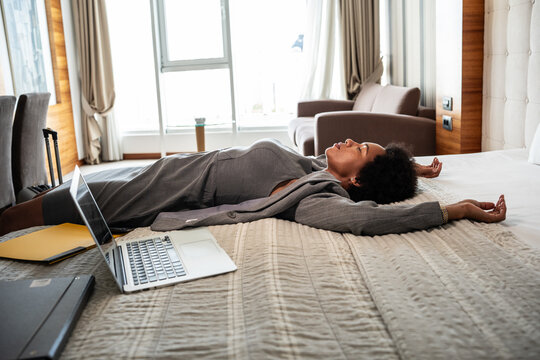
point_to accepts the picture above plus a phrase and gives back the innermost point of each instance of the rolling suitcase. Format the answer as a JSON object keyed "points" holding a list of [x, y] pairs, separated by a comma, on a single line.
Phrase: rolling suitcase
{"points": [[32, 191], [54, 134]]}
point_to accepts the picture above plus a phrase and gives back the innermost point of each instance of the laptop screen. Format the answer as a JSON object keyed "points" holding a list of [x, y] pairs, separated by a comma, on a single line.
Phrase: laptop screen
{"points": [[93, 216], [90, 213]]}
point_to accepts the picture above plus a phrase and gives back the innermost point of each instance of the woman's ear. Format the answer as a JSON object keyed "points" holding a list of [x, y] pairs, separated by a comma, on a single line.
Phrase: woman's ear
{"points": [[354, 182]]}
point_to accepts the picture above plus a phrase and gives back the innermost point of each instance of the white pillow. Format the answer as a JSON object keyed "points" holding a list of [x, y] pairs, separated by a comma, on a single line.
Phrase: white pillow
{"points": [[534, 151]]}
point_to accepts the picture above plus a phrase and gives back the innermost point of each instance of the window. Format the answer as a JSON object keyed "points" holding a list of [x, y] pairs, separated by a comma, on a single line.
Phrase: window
{"points": [[193, 32], [237, 63], [197, 93], [267, 46], [28, 64], [132, 51], [195, 62]]}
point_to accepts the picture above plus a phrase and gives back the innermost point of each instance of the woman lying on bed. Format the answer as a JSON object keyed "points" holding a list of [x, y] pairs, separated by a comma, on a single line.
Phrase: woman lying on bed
{"points": [[341, 191]]}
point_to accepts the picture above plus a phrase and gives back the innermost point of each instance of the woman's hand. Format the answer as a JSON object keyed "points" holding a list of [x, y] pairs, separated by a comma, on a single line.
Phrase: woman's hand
{"points": [[480, 211], [429, 171]]}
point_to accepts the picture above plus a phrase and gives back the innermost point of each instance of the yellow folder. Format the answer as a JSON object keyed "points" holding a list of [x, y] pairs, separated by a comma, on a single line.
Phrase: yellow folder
{"points": [[49, 245]]}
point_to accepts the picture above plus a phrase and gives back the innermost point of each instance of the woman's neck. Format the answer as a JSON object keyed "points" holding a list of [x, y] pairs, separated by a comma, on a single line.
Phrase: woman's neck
{"points": [[344, 182]]}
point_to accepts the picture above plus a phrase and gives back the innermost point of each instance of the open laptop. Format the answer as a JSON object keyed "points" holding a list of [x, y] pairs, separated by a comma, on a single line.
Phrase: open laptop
{"points": [[150, 262]]}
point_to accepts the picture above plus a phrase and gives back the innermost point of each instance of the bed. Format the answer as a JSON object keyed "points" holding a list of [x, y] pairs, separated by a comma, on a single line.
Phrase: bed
{"points": [[463, 290]]}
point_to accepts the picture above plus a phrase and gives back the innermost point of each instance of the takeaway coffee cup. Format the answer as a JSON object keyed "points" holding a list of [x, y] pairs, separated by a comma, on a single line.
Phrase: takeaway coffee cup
{"points": [[199, 133]]}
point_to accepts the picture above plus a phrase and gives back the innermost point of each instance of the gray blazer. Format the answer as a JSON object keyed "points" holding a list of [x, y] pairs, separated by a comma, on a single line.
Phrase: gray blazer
{"points": [[317, 200]]}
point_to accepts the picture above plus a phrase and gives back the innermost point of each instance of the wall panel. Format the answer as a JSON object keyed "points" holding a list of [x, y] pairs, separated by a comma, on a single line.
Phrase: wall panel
{"points": [[460, 73], [60, 116], [512, 74]]}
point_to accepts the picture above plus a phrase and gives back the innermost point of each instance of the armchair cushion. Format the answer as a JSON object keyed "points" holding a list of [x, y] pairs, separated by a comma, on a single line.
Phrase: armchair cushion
{"points": [[365, 99], [397, 100], [298, 125], [304, 136]]}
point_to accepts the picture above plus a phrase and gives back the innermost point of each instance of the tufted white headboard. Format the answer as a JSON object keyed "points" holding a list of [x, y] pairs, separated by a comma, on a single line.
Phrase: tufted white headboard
{"points": [[511, 95]]}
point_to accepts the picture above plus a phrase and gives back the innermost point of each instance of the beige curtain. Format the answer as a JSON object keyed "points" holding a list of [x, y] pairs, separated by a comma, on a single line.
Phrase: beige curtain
{"points": [[361, 46], [97, 85]]}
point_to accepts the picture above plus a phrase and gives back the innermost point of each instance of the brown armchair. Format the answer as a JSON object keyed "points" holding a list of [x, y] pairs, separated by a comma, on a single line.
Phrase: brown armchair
{"points": [[381, 114]]}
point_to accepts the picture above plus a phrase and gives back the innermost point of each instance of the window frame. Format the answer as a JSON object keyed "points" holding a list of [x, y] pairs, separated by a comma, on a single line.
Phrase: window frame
{"points": [[168, 65]]}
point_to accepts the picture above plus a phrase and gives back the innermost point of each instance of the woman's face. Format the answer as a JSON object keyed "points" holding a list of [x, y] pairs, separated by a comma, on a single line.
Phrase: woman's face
{"points": [[345, 160]]}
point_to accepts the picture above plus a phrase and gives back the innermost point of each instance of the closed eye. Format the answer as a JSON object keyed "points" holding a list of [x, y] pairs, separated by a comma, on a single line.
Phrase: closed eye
{"points": [[363, 146]]}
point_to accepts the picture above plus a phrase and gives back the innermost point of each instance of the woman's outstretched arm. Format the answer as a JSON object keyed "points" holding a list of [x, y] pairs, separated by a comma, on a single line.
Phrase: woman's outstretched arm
{"points": [[480, 211], [429, 171], [337, 213], [333, 212]]}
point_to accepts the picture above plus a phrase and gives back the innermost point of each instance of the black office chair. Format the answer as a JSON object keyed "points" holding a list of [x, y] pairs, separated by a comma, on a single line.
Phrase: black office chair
{"points": [[7, 195], [28, 154]]}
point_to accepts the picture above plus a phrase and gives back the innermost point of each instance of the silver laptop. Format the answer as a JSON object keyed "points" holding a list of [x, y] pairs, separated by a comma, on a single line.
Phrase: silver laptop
{"points": [[150, 262]]}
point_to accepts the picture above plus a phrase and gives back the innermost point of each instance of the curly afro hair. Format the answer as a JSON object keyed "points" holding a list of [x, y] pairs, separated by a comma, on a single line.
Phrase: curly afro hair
{"points": [[388, 178]]}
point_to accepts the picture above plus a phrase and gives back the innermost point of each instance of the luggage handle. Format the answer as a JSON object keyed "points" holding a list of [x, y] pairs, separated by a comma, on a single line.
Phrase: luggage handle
{"points": [[46, 133]]}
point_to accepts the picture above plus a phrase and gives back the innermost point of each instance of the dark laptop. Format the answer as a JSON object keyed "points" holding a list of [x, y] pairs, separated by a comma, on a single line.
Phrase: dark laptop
{"points": [[37, 316]]}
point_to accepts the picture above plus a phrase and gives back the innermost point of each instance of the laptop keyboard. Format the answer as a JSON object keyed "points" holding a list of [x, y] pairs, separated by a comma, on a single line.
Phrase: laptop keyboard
{"points": [[154, 259]]}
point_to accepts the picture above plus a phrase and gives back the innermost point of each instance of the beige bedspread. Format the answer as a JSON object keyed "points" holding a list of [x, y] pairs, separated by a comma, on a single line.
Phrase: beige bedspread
{"points": [[465, 290]]}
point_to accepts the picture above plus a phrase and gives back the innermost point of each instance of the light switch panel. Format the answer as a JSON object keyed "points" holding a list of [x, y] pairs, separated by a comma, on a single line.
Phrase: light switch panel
{"points": [[447, 122], [447, 103]]}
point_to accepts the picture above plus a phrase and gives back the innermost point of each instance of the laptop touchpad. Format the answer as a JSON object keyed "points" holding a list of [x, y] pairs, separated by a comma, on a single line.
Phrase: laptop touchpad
{"points": [[199, 248]]}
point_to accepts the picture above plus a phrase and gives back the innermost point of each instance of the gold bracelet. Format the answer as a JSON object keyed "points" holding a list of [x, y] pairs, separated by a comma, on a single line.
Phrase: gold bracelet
{"points": [[444, 214]]}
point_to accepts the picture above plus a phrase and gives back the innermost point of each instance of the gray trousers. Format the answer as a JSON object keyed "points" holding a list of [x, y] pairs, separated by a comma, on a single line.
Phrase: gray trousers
{"points": [[133, 197]]}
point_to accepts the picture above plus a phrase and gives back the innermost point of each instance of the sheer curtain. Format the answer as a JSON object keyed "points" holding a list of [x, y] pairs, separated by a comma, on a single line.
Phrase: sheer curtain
{"points": [[324, 76], [411, 45], [102, 141]]}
